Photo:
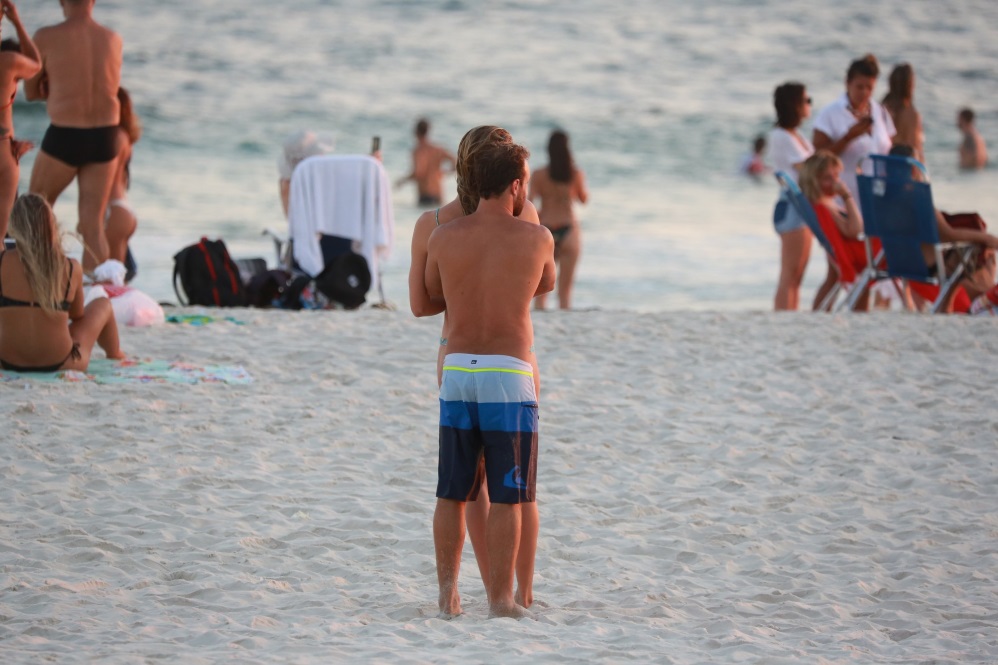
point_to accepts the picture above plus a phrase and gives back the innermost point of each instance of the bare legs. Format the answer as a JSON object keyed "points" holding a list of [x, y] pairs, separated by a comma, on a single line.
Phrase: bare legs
{"points": [[476, 517], [530, 524], [448, 541], [50, 177], [567, 254], [120, 226], [503, 538], [504, 543], [568, 259], [794, 253], [96, 325], [9, 175]]}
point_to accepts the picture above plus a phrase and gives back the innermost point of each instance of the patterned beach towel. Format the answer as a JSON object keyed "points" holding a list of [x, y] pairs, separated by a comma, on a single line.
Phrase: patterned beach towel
{"points": [[139, 370]]}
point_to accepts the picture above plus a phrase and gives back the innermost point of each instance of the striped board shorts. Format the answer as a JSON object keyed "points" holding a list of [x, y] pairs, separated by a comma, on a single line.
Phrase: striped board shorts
{"points": [[488, 408]]}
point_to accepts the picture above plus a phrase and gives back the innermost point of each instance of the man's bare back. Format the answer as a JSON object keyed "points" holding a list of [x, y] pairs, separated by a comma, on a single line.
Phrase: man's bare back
{"points": [[81, 71], [428, 162], [488, 267]]}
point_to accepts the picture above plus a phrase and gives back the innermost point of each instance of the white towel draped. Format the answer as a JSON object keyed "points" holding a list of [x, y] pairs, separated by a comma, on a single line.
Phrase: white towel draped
{"points": [[341, 195]]}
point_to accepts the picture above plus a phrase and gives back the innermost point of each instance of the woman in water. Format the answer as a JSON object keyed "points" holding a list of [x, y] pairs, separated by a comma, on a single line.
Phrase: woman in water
{"points": [[474, 143], [44, 326], [557, 186]]}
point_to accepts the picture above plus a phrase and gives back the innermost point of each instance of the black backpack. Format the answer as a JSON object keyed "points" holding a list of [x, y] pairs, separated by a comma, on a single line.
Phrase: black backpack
{"points": [[208, 276]]}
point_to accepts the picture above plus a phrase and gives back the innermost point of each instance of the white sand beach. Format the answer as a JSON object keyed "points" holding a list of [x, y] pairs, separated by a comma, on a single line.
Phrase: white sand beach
{"points": [[714, 488]]}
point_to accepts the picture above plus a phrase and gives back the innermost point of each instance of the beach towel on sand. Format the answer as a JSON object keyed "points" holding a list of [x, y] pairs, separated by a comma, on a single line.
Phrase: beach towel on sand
{"points": [[133, 370]]}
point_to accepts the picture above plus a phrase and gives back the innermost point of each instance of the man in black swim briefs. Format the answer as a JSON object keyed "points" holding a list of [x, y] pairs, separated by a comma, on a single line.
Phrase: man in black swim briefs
{"points": [[79, 82]]}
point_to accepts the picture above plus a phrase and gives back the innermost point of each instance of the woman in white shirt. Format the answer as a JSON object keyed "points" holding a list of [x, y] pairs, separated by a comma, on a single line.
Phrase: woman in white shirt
{"points": [[855, 125], [787, 151]]}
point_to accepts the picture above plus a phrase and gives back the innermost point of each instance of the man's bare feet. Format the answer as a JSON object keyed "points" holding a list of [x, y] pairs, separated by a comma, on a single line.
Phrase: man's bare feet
{"points": [[524, 599], [450, 605], [513, 611]]}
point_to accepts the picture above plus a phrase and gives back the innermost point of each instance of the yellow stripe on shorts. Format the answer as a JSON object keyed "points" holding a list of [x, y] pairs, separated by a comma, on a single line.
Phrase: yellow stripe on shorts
{"points": [[451, 368]]}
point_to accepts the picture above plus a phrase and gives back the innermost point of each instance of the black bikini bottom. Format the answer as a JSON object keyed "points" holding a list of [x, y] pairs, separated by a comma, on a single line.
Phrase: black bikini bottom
{"points": [[74, 354]]}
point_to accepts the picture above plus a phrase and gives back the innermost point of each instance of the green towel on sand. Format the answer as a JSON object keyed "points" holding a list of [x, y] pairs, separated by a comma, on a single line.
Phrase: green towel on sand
{"points": [[201, 319], [135, 370]]}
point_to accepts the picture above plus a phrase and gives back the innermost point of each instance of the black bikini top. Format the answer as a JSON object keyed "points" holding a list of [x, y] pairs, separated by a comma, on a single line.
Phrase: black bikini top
{"points": [[12, 302]]}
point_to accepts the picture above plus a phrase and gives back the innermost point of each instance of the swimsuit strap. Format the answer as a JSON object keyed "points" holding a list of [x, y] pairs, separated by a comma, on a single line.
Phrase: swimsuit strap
{"points": [[65, 298], [437, 216]]}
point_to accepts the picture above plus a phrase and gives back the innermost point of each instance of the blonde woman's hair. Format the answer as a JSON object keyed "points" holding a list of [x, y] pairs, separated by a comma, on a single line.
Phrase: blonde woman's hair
{"points": [[473, 144], [39, 246], [812, 169]]}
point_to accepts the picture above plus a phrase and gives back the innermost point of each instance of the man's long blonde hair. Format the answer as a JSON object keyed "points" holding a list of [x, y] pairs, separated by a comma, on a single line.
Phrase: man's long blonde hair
{"points": [[39, 246], [473, 143]]}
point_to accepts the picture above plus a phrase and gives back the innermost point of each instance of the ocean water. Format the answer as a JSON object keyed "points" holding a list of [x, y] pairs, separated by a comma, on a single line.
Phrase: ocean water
{"points": [[661, 99]]}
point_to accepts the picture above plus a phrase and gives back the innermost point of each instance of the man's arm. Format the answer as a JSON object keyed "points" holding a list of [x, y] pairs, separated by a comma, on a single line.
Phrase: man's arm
{"points": [[449, 159], [36, 87], [529, 213], [546, 284]]}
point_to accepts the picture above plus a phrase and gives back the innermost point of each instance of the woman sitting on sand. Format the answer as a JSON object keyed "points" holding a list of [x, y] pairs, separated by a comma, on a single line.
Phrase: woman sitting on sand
{"points": [[120, 217], [558, 185], [477, 510], [41, 291], [820, 181]]}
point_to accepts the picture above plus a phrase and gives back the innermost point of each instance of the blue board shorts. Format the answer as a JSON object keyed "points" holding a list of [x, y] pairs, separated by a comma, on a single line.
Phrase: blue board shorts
{"points": [[488, 408], [786, 217]]}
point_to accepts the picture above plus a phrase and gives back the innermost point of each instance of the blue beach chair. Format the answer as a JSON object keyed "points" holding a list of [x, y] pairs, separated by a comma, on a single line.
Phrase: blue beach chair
{"points": [[804, 208], [897, 208]]}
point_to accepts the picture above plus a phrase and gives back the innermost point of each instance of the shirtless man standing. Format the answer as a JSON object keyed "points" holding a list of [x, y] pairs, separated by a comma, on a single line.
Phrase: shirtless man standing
{"points": [[428, 160], [973, 153], [14, 66], [487, 267], [79, 80]]}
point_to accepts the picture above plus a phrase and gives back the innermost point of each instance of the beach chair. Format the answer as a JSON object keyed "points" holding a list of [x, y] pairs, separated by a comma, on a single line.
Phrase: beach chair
{"points": [[898, 210], [832, 244]]}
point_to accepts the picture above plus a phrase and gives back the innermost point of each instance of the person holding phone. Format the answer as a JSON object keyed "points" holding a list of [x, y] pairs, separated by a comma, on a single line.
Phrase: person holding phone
{"points": [[855, 125]]}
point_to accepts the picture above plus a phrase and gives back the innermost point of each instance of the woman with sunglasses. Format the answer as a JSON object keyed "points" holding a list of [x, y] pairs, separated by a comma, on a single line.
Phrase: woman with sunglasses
{"points": [[788, 149]]}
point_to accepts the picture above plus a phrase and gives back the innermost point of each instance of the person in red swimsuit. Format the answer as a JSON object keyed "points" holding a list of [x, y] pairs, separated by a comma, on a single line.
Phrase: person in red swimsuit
{"points": [[842, 223]]}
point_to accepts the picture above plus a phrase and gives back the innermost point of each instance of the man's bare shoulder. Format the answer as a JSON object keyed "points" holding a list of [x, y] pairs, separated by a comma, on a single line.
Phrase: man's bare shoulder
{"points": [[538, 231], [46, 34], [108, 34]]}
